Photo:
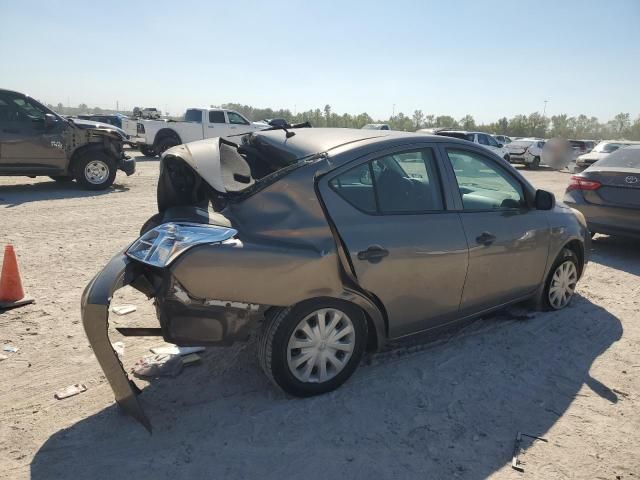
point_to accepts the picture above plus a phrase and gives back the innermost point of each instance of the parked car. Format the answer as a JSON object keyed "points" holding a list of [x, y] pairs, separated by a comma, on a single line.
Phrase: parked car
{"points": [[580, 147], [111, 119], [600, 151], [527, 151], [608, 193], [36, 141], [198, 124], [376, 126], [483, 139], [151, 113], [503, 139], [331, 242]]}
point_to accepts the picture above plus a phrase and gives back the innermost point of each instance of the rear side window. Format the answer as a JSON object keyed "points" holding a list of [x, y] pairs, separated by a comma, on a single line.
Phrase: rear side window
{"points": [[395, 184], [216, 116]]}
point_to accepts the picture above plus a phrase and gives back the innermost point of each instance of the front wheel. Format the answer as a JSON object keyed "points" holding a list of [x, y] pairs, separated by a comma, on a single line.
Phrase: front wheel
{"points": [[535, 164], [561, 282], [95, 170], [313, 347]]}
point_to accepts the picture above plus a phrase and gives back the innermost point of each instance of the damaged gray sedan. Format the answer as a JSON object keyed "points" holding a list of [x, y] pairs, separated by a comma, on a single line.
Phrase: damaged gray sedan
{"points": [[331, 242]]}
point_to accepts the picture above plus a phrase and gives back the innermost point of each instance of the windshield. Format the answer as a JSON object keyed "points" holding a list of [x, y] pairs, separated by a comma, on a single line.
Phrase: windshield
{"points": [[628, 157], [605, 147]]}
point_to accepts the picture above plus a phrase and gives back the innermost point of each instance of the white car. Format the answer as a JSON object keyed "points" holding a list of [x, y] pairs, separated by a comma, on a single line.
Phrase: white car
{"points": [[481, 138], [198, 124], [601, 150], [526, 151], [376, 126], [150, 112], [503, 139]]}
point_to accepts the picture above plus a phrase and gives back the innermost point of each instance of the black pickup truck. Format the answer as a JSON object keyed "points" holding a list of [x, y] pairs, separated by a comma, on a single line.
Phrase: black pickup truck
{"points": [[35, 141]]}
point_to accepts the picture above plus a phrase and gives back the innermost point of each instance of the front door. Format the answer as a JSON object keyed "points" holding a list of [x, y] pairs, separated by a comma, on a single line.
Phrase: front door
{"points": [[406, 247], [508, 240], [27, 145], [217, 126]]}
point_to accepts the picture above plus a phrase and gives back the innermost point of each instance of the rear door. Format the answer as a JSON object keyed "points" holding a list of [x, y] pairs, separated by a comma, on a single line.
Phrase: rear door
{"points": [[508, 240], [407, 248], [27, 145]]}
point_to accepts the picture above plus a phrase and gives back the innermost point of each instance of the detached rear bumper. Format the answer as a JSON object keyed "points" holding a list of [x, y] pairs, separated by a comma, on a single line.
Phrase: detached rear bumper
{"points": [[120, 271]]}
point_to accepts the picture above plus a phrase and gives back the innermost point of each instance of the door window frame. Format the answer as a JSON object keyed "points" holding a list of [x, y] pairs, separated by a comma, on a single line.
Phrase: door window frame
{"points": [[452, 182], [448, 198]]}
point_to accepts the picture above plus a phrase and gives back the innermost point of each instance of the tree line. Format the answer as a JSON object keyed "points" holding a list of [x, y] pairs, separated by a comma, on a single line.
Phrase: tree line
{"points": [[533, 125]]}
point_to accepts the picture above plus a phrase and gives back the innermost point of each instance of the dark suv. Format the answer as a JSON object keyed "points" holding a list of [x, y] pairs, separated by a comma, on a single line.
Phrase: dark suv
{"points": [[35, 141]]}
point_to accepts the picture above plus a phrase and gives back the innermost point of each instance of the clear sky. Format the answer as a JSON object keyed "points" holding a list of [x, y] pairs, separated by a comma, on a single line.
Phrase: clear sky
{"points": [[486, 58]]}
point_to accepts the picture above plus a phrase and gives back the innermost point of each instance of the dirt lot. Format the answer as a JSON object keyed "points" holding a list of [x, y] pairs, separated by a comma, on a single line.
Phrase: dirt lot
{"points": [[446, 408]]}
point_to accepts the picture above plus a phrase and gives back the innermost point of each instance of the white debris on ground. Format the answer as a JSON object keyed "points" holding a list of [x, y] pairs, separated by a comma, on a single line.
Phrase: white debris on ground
{"points": [[446, 409]]}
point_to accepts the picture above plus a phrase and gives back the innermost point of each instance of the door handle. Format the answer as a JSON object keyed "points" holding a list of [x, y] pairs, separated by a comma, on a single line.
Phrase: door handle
{"points": [[373, 254], [486, 239]]}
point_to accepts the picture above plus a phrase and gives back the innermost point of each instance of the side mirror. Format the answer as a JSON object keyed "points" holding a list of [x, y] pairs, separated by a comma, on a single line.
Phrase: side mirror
{"points": [[49, 120], [500, 145], [545, 200]]}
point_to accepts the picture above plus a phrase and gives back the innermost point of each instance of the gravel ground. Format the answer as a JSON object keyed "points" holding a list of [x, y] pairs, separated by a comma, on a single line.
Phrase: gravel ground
{"points": [[442, 407]]}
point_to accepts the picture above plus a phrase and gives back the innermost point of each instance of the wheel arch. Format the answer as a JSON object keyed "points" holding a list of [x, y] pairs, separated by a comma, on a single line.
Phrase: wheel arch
{"points": [[166, 133], [80, 151], [376, 326], [577, 247]]}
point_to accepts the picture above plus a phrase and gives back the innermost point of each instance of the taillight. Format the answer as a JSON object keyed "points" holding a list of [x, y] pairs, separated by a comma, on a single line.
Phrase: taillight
{"points": [[581, 183]]}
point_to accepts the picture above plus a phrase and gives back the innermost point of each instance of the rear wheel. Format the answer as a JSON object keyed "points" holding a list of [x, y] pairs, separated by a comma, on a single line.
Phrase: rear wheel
{"points": [[314, 347], [95, 170], [166, 143]]}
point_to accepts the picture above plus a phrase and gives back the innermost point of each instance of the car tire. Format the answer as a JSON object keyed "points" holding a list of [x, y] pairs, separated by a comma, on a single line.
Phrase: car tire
{"points": [[507, 158], [285, 364], [95, 170], [62, 178], [148, 151], [565, 271], [535, 164], [166, 143]]}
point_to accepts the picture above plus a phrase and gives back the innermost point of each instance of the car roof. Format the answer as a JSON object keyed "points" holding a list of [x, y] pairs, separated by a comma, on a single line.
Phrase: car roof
{"points": [[310, 141]]}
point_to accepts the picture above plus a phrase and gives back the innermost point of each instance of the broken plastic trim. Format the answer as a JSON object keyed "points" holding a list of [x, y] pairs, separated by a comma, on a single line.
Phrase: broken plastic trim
{"points": [[96, 298]]}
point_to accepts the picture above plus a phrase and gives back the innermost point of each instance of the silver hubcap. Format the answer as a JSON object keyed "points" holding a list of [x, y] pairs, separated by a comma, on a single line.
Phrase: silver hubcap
{"points": [[96, 172], [321, 345], [563, 284]]}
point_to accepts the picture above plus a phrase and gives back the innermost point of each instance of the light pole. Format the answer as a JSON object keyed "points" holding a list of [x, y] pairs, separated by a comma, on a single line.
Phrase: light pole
{"points": [[544, 111]]}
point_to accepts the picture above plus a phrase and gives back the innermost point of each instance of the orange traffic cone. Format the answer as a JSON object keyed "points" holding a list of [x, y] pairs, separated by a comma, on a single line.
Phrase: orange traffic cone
{"points": [[11, 292]]}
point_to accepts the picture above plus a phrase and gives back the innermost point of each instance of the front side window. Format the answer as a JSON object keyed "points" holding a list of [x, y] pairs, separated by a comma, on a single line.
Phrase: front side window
{"points": [[17, 109], [483, 184], [492, 141], [216, 116], [236, 119], [483, 139], [400, 183]]}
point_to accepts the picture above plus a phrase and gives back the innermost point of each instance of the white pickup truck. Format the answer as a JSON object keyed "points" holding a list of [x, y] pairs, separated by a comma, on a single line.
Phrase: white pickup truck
{"points": [[198, 124]]}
